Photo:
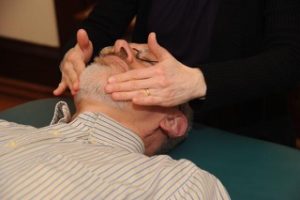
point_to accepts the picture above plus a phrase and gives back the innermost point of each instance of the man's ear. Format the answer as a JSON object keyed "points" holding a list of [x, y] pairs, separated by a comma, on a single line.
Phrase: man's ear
{"points": [[174, 124]]}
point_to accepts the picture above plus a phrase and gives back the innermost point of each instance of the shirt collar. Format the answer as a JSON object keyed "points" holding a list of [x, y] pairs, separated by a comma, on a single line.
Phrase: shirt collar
{"points": [[61, 114], [101, 128]]}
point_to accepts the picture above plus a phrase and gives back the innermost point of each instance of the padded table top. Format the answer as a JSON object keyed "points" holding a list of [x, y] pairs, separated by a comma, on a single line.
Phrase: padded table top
{"points": [[249, 168]]}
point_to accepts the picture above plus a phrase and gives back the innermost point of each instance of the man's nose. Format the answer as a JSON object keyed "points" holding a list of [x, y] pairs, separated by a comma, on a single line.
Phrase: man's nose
{"points": [[122, 47]]}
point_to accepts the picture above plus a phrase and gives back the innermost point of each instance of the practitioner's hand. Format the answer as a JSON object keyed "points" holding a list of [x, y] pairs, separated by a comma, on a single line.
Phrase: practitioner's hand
{"points": [[74, 62], [167, 83]]}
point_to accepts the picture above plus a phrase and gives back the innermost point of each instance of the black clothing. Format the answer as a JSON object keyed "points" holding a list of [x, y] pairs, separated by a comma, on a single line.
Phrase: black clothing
{"points": [[188, 32], [254, 49], [255, 44]]}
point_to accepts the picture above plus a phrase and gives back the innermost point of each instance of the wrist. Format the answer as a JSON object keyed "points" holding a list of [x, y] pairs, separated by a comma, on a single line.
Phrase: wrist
{"points": [[200, 87]]}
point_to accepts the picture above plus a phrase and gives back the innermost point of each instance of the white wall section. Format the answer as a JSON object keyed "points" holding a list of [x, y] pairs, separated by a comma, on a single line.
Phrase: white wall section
{"points": [[29, 20]]}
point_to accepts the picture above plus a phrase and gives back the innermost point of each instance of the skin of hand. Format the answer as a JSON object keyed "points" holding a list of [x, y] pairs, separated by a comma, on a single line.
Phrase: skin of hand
{"points": [[73, 63], [169, 82]]}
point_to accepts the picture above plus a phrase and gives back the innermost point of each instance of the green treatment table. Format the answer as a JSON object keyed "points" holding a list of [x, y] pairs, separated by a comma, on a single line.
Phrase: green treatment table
{"points": [[249, 168]]}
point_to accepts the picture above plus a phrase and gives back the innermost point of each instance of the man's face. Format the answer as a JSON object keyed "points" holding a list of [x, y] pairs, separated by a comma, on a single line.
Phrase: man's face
{"points": [[123, 57], [112, 60]]}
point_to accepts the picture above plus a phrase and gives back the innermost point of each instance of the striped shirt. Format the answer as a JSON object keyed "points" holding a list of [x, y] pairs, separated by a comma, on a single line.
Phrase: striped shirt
{"points": [[93, 157]]}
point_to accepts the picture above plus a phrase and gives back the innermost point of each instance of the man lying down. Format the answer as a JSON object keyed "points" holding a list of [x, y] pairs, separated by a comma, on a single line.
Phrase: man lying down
{"points": [[106, 150]]}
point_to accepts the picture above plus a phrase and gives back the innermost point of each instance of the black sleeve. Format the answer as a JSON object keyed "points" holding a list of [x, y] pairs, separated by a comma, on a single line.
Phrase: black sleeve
{"points": [[275, 69], [107, 22]]}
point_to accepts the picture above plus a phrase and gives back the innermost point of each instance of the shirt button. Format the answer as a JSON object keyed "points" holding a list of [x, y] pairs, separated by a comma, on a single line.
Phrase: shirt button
{"points": [[12, 144], [56, 133], [92, 141]]}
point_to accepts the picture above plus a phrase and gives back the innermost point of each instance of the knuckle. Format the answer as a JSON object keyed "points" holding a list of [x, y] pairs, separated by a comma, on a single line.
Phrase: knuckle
{"points": [[117, 87], [133, 85], [64, 68], [67, 67], [163, 82], [72, 56], [67, 55], [159, 71]]}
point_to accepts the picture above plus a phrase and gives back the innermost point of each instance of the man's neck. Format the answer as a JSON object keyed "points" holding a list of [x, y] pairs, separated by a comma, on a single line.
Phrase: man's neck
{"points": [[121, 115], [141, 123], [96, 107]]}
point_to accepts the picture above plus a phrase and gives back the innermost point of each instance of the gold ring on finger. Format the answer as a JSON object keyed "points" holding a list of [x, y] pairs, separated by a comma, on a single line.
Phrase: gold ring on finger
{"points": [[146, 90]]}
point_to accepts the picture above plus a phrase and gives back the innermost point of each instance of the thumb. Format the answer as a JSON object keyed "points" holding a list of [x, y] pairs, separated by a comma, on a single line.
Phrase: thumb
{"points": [[83, 40], [159, 52]]}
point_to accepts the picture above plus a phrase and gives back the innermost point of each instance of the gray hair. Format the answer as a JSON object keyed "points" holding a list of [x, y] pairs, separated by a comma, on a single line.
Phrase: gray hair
{"points": [[92, 82]]}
